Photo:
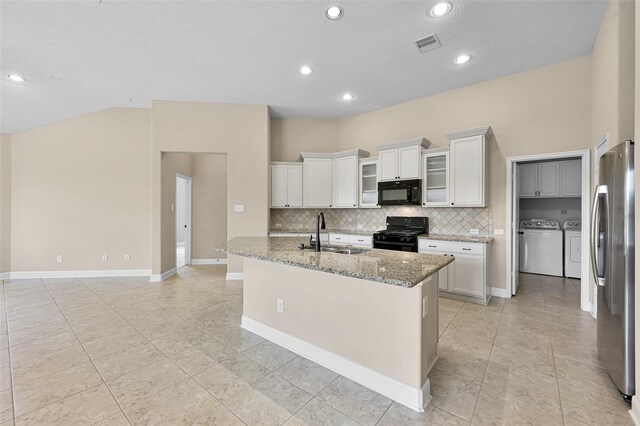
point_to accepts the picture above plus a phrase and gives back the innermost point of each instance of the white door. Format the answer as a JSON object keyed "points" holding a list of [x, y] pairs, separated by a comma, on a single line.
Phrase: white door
{"points": [[183, 220], [466, 159], [549, 179], [528, 176], [468, 275], [571, 178], [294, 186], [388, 164], [279, 184], [409, 162], [317, 182], [516, 177], [345, 181]]}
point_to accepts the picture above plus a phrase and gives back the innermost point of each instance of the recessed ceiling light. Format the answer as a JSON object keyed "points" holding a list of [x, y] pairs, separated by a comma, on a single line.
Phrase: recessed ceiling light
{"points": [[16, 78], [346, 97], [440, 9], [334, 12], [305, 70], [462, 59]]}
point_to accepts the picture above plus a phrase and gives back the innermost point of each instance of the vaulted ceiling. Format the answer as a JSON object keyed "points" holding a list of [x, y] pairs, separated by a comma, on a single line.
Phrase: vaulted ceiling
{"points": [[84, 56]]}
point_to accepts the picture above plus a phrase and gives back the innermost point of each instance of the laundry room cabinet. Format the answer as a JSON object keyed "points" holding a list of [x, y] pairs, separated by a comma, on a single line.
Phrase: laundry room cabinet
{"points": [[552, 179]]}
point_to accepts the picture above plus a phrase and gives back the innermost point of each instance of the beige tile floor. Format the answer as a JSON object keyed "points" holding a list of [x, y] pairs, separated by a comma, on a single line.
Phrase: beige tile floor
{"points": [[125, 351]]}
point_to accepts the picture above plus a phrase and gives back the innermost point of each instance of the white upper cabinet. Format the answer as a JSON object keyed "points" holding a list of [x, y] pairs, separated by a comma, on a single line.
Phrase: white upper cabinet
{"points": [[401, 160], [571, 178], [294, 184], [551, 179], [317, 180], [345, 178], [368, 183], [388, 163], [467, 162], [286, 184], [435, 188]]}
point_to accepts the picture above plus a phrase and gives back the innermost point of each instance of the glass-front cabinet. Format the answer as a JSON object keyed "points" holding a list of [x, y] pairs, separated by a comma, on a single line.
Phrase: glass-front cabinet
{"points": [[369, 183], [435, 188]]}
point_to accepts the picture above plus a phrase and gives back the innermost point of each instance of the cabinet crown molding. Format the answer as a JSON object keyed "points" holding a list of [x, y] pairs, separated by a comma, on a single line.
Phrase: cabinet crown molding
{"points": [[405, 142], [485, 131], [435, 150], [356, 152], [285, 163]]}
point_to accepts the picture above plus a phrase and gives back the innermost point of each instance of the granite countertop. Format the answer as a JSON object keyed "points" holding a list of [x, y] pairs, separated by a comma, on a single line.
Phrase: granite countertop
{"points": [[404, 269], [322, 231], [458, 238]]}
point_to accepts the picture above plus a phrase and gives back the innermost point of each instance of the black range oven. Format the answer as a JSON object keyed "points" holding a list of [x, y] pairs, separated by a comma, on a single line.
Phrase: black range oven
{"points": [[401, 233]]}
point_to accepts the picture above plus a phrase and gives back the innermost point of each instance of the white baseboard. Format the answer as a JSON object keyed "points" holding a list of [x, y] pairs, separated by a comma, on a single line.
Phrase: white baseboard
{"points": [[4, 275], [500, 292], [155, 278], [635, 410], [232, 276], [90, 273], [415, 398], [220, 261]]}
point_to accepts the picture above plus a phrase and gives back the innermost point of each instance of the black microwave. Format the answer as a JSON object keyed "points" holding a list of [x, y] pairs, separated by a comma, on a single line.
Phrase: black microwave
{"points": [[399, 192]]}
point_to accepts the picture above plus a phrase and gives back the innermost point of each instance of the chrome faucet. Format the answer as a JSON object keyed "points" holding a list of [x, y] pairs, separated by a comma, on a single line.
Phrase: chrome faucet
{"points": [[319, 225]]}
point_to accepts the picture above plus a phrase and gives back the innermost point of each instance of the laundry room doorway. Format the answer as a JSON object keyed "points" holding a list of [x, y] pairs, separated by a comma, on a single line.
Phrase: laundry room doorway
{"points": [[548, 224]]}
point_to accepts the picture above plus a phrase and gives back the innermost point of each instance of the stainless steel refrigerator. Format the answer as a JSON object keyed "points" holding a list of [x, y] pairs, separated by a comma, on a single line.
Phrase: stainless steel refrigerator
{"points": [[612, 252]]}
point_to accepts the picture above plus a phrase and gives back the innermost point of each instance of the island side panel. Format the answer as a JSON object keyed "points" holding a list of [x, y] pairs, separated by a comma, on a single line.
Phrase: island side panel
{"points": [[376, 325], [430, 325]]}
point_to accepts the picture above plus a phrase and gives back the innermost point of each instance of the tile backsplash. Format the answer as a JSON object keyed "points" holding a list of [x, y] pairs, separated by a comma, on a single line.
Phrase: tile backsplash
{"points": [[450, 221]]}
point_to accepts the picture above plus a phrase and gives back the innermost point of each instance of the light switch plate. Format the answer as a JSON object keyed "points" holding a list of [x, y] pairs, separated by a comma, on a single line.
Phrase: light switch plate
{"points": [[498, 231], [360, 226], [278, 225], [238, 208], [474, 231], [59, 258]]}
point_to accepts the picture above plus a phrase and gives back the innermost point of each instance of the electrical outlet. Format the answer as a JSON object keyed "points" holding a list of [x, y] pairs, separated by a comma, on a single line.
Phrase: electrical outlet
{"points": [[280, 306], [425, 303], [474, 231], [278, 225], [498, 231], [105, 258], [59, 258], [127, 257], [238, 208], [173, 207], [360, 226]]}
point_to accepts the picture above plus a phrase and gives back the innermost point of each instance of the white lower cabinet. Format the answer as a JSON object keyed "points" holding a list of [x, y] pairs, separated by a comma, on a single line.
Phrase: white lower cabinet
{"points": [[351, 239], [468, 277]]}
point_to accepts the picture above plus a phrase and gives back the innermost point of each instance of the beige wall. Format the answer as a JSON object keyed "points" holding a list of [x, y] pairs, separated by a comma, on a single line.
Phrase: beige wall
{"points": [[209, 172], [613, 75], [171, 164], [242, 132], [295, 136], [80, 188], [5, 203], [543, 110]]}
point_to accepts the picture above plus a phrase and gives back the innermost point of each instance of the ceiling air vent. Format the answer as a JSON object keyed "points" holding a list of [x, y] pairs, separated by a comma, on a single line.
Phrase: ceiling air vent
{"points": [[427, 43]]}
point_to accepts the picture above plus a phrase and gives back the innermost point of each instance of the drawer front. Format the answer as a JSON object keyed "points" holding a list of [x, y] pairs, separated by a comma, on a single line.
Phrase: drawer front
{"points": [[452, 247], [356, 240]]}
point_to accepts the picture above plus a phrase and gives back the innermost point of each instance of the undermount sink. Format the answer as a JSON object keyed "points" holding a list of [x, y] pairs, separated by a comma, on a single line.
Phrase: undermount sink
{"points": [[343, 249]]}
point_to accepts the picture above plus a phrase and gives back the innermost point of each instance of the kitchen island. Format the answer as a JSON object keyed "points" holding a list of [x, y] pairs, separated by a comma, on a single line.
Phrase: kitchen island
{"points": [[371, 317]]}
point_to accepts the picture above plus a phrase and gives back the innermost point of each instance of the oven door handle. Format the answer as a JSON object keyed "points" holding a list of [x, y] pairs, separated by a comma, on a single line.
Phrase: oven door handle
{"points": [[392, 243]]}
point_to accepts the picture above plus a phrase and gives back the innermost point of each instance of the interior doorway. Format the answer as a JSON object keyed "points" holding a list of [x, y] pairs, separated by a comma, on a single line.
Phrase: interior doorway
{"points": [[547, 199], [183, 220]]}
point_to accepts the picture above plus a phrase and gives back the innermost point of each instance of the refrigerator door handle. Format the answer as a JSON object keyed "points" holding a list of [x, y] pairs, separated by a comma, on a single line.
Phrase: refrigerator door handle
{"points": [[595, 219]]}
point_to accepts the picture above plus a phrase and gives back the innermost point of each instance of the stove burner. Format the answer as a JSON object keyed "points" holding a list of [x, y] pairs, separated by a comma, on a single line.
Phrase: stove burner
{"points": [[401, 233]]}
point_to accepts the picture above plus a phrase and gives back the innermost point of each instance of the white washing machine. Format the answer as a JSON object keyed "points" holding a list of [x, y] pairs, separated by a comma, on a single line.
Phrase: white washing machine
{"points": [[541, 247], [572, 248]]}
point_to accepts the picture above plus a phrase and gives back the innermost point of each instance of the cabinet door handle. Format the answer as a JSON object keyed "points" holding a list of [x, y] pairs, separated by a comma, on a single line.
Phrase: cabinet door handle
{"points": [[432, 246], [362, 241], [467, 249]]}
